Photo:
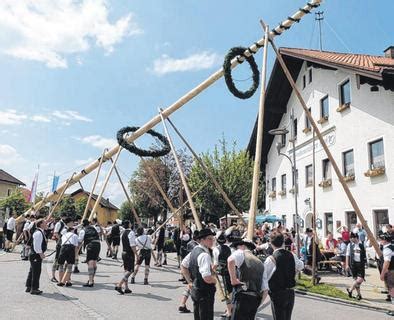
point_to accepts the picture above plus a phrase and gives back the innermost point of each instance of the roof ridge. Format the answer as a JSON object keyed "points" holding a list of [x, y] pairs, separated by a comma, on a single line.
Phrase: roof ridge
{"points": [[335, 52]]}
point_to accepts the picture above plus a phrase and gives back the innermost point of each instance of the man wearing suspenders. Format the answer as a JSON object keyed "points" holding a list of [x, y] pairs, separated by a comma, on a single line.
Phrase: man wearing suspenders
{"points": [[144, 245]]}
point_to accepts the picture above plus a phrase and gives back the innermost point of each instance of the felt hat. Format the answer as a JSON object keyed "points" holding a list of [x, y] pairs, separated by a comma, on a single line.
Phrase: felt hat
{"points": [[205, 233], [243, 242]]}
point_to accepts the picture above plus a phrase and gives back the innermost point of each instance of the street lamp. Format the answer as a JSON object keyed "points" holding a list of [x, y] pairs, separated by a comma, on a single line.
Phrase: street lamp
{"points": [[280, 132]]}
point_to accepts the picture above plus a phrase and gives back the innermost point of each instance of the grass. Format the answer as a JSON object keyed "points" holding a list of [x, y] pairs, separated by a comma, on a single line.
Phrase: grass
{"points": [[305, 284]]}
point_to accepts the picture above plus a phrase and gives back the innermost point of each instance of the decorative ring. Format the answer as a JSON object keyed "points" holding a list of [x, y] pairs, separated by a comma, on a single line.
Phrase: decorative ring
{"points": [[236, 52], [131, 147]]}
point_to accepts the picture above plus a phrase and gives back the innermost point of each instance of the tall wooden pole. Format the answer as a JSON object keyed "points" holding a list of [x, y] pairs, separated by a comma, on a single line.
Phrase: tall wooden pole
{"points": [[136, 217], [284, 25], [182, 175], [259, 143], [314, 240], [208, 173], [85, 212], [327, 150]]}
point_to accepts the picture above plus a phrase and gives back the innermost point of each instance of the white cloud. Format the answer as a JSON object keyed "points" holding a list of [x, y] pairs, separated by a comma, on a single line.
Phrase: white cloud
{"points": [[194, 62], [8, 155], [10, 117], [40, 118], [83, 161], [98, 141], [70, 115], [47, 31]]}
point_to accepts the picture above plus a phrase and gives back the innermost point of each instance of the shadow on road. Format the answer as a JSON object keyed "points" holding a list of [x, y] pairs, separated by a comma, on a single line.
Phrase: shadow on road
{"points": [[57, 296], [151, 296]]}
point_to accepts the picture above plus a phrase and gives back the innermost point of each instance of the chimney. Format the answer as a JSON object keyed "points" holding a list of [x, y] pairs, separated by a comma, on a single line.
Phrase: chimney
{"points": [[389, 52]]}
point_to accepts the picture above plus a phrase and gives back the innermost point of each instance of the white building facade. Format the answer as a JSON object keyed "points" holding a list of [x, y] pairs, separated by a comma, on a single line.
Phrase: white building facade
{"points": [[357, 122]]}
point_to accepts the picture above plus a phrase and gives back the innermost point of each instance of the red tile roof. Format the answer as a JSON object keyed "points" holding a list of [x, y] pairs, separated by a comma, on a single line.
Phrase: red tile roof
{"points": [[362, 62]]}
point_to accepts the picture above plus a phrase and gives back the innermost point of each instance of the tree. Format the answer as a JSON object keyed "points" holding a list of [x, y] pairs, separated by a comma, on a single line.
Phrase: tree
{"points": [[234, 172], [125, 212], [146, 196], [80, 205], [16, 202], [67, 207]]}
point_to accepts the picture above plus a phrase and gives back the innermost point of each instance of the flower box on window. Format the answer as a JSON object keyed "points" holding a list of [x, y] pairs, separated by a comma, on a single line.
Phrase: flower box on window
{"points": [[292, 190], [322, 120], [272, 194], [325, 183], [282, 193], [349, 177], [306, 130], [375, 172], [343, 107]]}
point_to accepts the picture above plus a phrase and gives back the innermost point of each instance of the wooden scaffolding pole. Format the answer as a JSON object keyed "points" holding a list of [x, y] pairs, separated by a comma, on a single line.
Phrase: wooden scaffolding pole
{"points": [[283, 26], [182, 175], [208, 173], [85, 212], [259, 142], [136, 217], [327, 150]]}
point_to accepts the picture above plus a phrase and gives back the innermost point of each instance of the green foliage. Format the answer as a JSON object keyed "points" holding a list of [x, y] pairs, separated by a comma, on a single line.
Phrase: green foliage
{"points": [[80, 205], [125, 212], [67, 207], [16, 202], [234, 172]]}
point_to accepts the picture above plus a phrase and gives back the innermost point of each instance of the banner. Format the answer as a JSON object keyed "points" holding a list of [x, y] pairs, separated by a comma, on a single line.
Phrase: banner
{"points": [[34, 187], [55, 182]]}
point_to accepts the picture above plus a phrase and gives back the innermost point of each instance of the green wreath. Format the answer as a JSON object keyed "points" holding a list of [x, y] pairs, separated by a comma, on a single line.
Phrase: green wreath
{"points": [[236, 52], [154, 153]]}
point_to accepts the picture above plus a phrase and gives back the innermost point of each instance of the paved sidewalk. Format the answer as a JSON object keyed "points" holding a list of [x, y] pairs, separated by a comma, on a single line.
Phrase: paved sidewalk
{"points": [[370, 289]]}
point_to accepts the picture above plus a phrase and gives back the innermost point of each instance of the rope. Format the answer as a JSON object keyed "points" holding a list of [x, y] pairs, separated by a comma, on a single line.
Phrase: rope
{"points": [[238, 52]]}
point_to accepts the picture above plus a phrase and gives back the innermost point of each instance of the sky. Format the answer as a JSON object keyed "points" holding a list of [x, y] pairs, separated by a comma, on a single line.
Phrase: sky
{"points": [[73, 72]]}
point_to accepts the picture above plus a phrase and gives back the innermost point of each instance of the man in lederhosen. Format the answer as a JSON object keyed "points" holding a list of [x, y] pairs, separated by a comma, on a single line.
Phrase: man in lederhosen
{"points": [[200, 268], [60, 229], [92, 244], [39, 246], [128, 256], [246, 274], [144, 245]]}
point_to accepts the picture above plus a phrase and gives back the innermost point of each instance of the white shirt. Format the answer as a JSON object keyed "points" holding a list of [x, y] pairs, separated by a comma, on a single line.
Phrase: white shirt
{"points": [[387, 252], [131, 237], [108, 230], [238, 256], [186, 261], [98, 228], [270, 267], [215, 256], [204, 262], [11, 224], [185, 237], [57, 228], [37, 240], [26, 226], [81, 235], [70, 238], [144, 242], [356, 252], [342, 249]]}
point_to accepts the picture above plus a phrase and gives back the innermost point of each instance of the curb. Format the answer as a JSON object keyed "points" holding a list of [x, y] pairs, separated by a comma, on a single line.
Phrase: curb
{"points": [[352, 303]]}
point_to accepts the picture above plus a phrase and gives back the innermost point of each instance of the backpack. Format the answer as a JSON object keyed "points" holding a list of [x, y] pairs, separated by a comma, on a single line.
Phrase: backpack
{"points": [[90, 235], [115, 231]]}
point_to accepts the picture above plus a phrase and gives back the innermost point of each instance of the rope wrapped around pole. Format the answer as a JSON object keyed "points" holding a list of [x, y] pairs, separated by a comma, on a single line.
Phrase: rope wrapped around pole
{"points": [[287, 23]]}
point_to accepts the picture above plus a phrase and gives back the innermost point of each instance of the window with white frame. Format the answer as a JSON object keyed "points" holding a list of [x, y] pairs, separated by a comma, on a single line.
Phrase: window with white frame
{"points": [[283, 182], [381, 218], [308, 175], [273, 185], [348, 163], [344, 93], [326, 165], [324, 108], [376, 154], [307, 122], [310, 75]]}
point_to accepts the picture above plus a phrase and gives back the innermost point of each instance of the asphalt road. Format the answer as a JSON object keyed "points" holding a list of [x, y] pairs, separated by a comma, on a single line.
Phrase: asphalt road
{"points": [[159, 300]]}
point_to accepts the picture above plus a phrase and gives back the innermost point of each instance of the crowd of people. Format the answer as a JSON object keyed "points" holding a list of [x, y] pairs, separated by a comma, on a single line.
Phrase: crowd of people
{"points": [[243, 271]]}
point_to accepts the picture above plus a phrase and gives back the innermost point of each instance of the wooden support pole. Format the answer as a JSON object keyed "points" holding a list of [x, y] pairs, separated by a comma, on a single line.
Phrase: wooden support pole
{"points": [[68, 183], [327, 150], [85, 212], [284, 25], [314, 240], [182, 174], [259, 143], [136, 217], [100, 195], [208, 173]]}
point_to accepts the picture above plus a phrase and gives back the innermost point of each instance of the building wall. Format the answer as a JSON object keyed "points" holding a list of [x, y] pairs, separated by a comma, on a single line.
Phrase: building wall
{"points": [[103, 214], [4, 189], [371, 116]]}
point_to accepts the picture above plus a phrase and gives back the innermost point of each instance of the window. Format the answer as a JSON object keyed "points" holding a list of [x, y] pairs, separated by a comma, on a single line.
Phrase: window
{"points": [[303, 82], [9, 191], [324, 110], [351, 220], [345, 92], [381, 218], [308, 175], [329, 222], [310, 75], [348, 163], [376, 154], [295, 128], [307, 122], [283, 140], [273, 186], [283, 182], [326, 169]]}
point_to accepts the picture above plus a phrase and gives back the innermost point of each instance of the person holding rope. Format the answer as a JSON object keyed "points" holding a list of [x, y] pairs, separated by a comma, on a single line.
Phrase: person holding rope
{"points": [[92, 244], [59, 231], [68, 251], [128, 256], [246, 276], [144, 245], [200, 268], [39, 246]]}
